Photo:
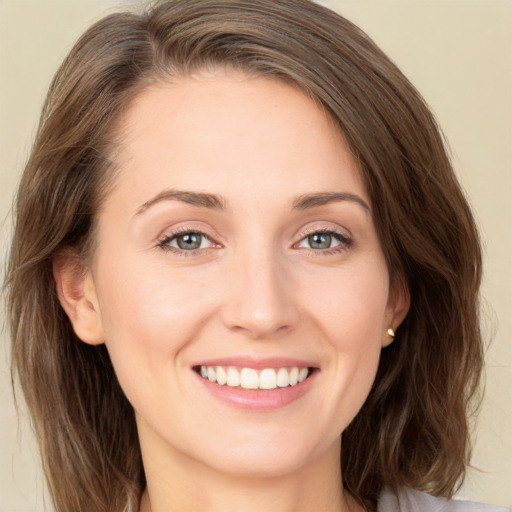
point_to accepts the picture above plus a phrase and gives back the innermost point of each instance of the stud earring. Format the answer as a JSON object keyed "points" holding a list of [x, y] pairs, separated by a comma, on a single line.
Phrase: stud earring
{"points": [[391, 333]]}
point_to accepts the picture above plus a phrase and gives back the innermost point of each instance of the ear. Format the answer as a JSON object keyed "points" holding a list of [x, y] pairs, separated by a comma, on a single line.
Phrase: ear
{"points": [[77, 296], [399, 302]]}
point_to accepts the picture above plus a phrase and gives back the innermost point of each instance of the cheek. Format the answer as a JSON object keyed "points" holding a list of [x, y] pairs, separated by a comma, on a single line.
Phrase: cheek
{"points": [[356, 324], [351, 306], [351, 312], [148, 313]]}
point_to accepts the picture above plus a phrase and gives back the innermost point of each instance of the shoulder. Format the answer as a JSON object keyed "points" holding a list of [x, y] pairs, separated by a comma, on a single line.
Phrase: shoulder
{"points": [[409, 500]]}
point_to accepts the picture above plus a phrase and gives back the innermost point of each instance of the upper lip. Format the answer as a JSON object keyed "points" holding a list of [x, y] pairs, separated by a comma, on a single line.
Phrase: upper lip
{"points": [[257, 363]]}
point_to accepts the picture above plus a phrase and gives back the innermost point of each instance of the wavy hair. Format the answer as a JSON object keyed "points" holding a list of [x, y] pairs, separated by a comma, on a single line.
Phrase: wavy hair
{"points": [[412, 429]]}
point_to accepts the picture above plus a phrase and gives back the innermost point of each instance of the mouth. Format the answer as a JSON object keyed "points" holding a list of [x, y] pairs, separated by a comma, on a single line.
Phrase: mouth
{"points": [[248, 378]]}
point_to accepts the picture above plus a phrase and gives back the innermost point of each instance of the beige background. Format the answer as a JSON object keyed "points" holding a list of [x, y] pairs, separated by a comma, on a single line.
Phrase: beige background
{"points": [[459, 55]]}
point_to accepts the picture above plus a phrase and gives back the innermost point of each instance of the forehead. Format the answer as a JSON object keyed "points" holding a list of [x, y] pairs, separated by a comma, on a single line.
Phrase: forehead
{"points": [[208, 130]]}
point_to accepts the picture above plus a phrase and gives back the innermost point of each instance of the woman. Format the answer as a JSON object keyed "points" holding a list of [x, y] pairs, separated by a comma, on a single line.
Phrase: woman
{"points": [[241, 256]]}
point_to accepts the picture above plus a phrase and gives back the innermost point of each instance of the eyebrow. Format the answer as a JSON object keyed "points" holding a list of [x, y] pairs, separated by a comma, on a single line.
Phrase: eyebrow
{"points": [[200, 199], [215, 202], [307, 201]]}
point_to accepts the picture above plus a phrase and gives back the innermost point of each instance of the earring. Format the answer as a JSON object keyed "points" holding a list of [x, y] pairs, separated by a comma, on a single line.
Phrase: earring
{"points": [[391, 333]]}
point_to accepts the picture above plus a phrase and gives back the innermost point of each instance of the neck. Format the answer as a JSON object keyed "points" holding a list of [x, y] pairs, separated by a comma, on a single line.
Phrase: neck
{"points": [[184, 485]]}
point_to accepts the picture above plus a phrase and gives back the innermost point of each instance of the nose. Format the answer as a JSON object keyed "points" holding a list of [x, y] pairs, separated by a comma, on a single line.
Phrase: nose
{"points": [[261, 303]]}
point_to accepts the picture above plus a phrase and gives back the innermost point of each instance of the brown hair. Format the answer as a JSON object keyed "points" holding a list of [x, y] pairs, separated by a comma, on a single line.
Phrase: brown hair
{"points": [[412, 430]]}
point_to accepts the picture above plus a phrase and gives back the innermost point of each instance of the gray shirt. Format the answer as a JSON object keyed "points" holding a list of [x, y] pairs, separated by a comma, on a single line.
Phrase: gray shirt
{"points": [[415, 501]]}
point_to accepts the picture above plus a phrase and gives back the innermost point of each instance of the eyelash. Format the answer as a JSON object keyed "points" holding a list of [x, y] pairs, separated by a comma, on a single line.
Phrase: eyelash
{"points": [[167, 239], [345, 241]]}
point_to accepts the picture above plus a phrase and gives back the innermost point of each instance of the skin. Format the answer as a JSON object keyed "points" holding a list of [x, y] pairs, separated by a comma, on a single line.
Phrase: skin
{"points": [[256, 287]]}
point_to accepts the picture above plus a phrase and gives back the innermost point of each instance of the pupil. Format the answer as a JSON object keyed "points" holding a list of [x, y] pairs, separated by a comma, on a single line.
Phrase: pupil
{"points": [[319, 241], [189, 241]]}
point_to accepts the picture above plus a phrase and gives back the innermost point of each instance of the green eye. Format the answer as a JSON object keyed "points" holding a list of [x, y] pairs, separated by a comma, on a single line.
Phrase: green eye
{"points": [[320, 241], [325, 240], [189, 241]]}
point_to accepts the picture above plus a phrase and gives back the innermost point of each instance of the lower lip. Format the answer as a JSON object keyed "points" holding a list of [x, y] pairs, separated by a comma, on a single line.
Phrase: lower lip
{"points": [[258, 399]]}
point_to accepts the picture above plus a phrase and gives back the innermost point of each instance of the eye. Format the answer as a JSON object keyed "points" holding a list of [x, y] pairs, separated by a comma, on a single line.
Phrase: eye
{"points": [[325, 240], [187, 241]]}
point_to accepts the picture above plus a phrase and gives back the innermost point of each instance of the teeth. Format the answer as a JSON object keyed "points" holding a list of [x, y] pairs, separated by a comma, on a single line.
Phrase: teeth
{"points": [[283, 378], [268, 379], [211, 374], [249, 378], [221, 376], [233, 377]]}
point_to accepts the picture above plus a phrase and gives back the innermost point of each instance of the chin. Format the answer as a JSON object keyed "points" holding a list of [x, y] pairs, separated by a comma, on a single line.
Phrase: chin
{"points": [[263, 457], [259, 466]]}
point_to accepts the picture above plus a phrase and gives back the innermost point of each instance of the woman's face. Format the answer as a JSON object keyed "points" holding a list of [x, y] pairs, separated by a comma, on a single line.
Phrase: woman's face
{"points": [[238, 242]]}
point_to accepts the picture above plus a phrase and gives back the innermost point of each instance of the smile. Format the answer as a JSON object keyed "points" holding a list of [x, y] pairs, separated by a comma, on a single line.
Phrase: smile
{"points": [[251, 378]]}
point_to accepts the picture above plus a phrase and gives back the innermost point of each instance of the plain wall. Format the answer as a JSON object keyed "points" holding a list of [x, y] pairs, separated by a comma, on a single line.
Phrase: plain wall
{"points": [[457, 53]]}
